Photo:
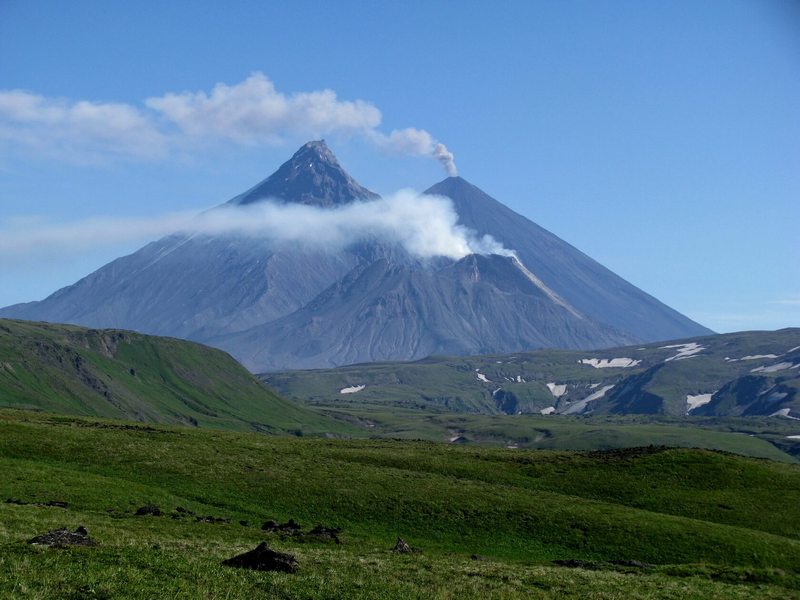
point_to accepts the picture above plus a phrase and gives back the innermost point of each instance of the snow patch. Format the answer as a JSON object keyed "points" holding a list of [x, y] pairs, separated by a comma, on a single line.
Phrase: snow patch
{"points": [[482, 377], [684, 350], [784, 412], [757, 356], [580, 406], [557, 390], [598, 394], [548, 411], [793, 437], [696, 401], [773, 368], [520, 379], [605, 363], [352, 389]]}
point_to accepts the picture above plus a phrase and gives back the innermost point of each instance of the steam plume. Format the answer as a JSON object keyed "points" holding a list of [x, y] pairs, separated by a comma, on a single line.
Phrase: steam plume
{"points": [[445, 157], [424, 225], [417, 142]]}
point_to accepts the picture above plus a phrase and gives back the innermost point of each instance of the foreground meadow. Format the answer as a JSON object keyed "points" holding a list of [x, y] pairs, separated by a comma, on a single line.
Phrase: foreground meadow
{"points": [[646, 523]]}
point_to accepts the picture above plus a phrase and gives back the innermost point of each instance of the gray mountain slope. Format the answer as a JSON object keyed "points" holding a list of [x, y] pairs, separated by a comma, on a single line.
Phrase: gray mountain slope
{"points": [[193, 287], [584, 283], [284, 306], [471, 306], [201, 286]]}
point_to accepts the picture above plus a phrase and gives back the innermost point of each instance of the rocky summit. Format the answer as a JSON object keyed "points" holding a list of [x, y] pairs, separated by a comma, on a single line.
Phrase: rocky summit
{"points": [[277, 306]]}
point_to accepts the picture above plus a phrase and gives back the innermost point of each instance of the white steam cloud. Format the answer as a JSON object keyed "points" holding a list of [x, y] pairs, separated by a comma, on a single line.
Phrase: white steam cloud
{"points": [[426, 226], [252, 112]]}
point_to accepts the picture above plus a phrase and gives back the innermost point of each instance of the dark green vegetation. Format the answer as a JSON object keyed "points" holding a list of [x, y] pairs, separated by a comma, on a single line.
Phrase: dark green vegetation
{"points": [[711, 525], [121, 374], [757, 437], [743, 374]]}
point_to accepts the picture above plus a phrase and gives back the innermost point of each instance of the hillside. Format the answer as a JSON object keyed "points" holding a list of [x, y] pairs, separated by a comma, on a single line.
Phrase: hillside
{"points": [[739, 374], [643, 523], [122, 374]]}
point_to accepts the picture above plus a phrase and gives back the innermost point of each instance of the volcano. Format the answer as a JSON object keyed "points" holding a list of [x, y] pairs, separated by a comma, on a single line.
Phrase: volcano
{"points": [[279, 306]]}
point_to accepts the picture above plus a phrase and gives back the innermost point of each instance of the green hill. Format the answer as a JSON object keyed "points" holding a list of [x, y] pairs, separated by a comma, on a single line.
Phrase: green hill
{"points": [[126, 375], [641, 523]]}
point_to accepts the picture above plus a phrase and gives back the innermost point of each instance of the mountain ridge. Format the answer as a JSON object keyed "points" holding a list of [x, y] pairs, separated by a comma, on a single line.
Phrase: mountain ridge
{"points": [[270, 304]]}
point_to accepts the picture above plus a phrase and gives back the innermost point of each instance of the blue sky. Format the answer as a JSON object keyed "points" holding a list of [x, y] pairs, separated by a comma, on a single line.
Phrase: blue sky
{"points": [[660, 138]]}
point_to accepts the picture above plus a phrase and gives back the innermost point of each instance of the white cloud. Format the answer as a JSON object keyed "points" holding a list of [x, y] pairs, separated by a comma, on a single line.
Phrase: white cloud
{"points": [[252, 112], [426, 226], [80, 131]]}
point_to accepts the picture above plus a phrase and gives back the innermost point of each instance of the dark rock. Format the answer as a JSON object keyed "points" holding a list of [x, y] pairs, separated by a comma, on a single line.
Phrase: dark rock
{"points": [[323, 533], [15, 501], [263, 558], [479, 557], [290, 525], [57, 504], [210, 519], [148, 509], [244, 523], [269, 526], [62, 538], [401, 547]]}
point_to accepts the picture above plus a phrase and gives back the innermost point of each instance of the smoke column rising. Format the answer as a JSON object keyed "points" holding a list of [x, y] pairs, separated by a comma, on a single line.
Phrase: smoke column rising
{"points": [[445, 157]]}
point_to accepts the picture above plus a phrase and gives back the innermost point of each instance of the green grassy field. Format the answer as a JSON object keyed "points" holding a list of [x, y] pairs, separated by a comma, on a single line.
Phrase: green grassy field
{"points": [[711, 525], [751, 437]]}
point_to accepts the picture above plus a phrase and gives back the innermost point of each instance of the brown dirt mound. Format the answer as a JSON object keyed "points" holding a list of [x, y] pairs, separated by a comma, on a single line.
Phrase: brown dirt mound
{"points": [[148, 509], [325, 534], [290, 527], [264, 558], [63, 538]]}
